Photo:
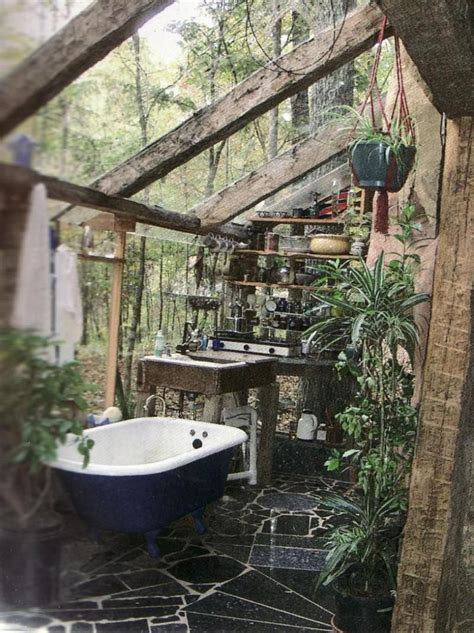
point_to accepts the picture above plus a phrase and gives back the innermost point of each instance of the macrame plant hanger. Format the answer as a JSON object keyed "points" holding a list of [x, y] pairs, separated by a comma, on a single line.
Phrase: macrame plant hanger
{"points": [[399, 117]]}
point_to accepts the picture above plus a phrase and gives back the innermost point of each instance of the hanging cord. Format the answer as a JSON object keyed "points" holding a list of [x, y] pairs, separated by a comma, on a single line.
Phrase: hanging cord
{"points": [[398, 123]]}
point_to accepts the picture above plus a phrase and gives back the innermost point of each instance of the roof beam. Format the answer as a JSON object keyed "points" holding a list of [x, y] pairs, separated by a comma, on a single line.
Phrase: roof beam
{"points": [[438, 37], [13, 176], [304, 196], [271, 177], [254, 96], [80, 44]]}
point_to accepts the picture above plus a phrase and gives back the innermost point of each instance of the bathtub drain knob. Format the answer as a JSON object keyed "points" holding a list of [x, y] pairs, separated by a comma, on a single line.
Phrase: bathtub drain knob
{"points": [[193, 432], [205, 434], [197, 443]]}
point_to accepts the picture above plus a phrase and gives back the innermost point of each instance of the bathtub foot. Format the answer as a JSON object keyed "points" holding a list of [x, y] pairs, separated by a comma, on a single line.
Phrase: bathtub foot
{"points": [[198, 517], [151, 545]]}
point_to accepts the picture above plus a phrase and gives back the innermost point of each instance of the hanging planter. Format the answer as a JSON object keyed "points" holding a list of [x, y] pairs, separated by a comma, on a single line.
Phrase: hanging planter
{"points": [[381, 157], [376, 165]]}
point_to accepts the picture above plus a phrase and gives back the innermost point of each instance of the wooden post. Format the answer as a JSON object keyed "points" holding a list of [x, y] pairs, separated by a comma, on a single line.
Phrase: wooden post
{"points": [[432, 571], [114, 319]]}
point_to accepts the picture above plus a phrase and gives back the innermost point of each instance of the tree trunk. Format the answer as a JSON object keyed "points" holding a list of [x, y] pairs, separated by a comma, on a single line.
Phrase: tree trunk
{"points": [[140, 280]]}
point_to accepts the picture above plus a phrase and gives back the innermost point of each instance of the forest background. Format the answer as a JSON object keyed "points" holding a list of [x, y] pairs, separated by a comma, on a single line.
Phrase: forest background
{"points": [[184, 58]]}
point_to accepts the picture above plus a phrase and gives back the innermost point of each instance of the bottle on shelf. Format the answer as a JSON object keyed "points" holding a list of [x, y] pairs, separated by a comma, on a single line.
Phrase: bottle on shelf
{"points": [[160, 343]]}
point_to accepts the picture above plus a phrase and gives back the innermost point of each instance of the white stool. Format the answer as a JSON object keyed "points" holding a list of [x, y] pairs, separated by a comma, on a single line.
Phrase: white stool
{"points": [[244, 417]]}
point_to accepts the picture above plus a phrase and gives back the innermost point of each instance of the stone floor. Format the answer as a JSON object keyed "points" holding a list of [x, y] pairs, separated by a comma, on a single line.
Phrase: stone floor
{"points": [[254, 570]]}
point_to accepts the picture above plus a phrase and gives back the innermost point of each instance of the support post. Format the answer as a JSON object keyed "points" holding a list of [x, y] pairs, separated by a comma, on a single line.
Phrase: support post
{"points": [[114, 319], [433, 594]]}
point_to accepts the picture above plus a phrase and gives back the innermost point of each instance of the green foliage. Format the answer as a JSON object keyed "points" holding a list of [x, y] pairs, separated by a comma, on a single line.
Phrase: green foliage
{"points": [[375, 324], [363, 549], [37, 399]]}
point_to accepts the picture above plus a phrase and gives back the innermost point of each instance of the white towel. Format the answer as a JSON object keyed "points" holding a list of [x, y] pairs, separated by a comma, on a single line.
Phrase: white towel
{"points": [[32, 301], [68, 303]]}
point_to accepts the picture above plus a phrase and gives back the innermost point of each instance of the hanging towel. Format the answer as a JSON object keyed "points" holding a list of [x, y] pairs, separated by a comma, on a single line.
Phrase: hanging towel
{"points": [[68, 303], [32, 300]]}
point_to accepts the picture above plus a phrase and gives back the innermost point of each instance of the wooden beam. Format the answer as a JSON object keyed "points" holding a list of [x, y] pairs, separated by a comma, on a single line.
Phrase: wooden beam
{"points": [[271, 177], [304, 196], [428, 575], [114, 319], [254, 96], [80, 44], [13, 176], [438, 37]]}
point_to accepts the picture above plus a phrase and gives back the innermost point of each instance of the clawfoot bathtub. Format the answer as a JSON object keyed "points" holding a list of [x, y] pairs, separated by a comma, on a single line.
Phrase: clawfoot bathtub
{"points": [[147, 472]]}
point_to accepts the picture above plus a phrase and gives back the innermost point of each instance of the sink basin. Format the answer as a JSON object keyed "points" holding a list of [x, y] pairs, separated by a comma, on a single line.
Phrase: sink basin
{"points": [[210, 376]]}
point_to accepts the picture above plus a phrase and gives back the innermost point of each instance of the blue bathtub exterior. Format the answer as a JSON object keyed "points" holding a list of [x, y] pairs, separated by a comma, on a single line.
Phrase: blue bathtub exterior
{"points": [[148, 503]]}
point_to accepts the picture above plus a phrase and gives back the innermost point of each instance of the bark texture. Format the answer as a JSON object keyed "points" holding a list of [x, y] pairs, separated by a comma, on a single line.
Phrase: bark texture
{"points": [[259, 93], [444, 62], [85, 40], [439, 484]]}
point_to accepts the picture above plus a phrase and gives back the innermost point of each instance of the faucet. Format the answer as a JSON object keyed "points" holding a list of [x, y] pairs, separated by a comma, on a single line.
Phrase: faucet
{"points": [[155, 396]]}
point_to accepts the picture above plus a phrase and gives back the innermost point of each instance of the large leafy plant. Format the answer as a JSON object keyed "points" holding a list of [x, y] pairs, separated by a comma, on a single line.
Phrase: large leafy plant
{"points": [[374, 323], [38, 402]]}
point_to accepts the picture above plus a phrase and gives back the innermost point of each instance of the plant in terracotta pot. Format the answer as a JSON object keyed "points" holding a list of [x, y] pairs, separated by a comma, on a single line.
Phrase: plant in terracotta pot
{"points": [[37, 402]]}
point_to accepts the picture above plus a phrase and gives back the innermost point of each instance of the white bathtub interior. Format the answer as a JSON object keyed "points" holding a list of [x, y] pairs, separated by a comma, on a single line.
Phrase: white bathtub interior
{"points": [[127, 447]]}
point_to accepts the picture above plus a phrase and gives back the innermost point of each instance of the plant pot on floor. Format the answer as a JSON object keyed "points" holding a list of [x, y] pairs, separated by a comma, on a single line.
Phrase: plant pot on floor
{"points": [[30, 566], [375, 165], [363, 614]]}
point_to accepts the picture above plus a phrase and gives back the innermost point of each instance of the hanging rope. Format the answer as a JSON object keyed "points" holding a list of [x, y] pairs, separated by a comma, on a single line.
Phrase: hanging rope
{"points": [[399, 122]]}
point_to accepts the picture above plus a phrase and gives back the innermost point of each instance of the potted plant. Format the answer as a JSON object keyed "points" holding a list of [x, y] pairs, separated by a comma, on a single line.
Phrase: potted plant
{"points": [[37, 399], [375, 322], [381, 158], [361, 564]]}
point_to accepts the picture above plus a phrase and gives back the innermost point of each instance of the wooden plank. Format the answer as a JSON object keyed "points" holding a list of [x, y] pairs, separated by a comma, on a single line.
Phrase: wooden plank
{"points": [[13, 176], [254, 96], [304, 221], [80, 44], [268, 397], [292, 255], [114, 320], [438, 37], [271, 177], [428, 575], [304, 196], [100, 258]]}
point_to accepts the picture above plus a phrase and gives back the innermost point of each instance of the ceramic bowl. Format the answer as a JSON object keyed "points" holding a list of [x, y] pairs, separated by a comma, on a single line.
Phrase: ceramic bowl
{"points": [[330, 244]]}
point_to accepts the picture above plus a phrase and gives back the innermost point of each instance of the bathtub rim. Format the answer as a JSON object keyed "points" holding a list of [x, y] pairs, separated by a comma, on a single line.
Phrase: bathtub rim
{"points": [[234, 437]]}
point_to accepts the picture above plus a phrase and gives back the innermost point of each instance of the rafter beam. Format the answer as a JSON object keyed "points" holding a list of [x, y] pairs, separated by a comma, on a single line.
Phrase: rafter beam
{"points": [[438, 35], [271, 177], [304, 196], [254, 96], [13, 176], [80, 44]]}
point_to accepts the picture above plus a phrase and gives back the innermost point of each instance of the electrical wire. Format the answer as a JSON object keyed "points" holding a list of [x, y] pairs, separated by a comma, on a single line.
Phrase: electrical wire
{"points": [[275, 66]]}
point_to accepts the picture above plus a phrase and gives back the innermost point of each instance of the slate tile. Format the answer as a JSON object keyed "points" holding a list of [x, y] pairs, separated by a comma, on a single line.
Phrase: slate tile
{"points": [[305, 542], [239, 552], [57, 628], [231, 606], [128, 626], [287, 524], [143, 578], [82, 627], [100, 586], [171, 588], [260, 587], [207, 569], [170, 628], [201, 623], [155, 601], [112, 615], [193, 551], [288, 501], [303, 582], [287, 557]]}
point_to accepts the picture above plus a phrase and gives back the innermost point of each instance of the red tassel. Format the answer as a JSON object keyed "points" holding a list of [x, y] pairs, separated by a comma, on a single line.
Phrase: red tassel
{"points": [[381, 212]]}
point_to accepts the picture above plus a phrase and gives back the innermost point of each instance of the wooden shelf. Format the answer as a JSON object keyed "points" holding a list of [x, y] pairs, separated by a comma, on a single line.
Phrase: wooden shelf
{"points": [[101, 258], [294, 220], [263, 284], [292, 255]]}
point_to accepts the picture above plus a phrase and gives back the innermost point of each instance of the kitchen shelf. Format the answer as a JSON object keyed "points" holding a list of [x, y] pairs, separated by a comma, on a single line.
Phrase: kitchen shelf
{"points": [[263, 284], [308, 221], [292, 255]]}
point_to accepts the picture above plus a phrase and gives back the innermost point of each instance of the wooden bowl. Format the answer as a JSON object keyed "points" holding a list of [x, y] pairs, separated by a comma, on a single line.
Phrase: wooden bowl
{"points": [[330, 244]]}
